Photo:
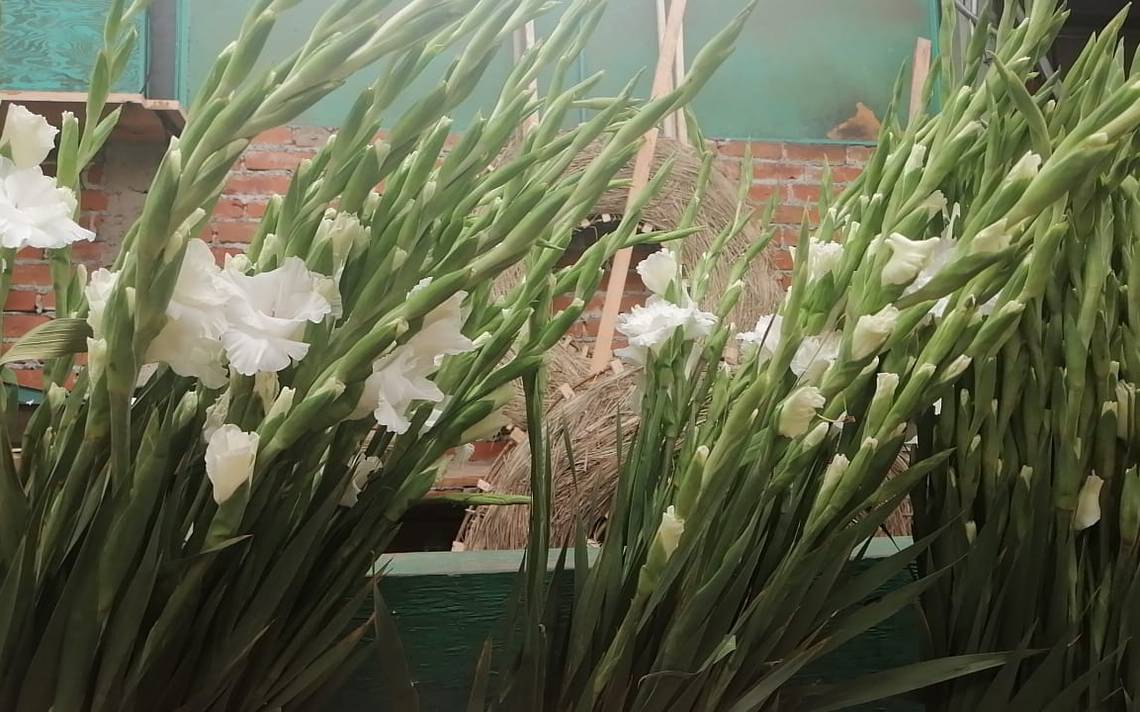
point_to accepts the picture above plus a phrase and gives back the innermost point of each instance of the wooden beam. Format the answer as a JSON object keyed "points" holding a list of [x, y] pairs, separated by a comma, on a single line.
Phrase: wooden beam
{"points": [[643, 163], [920, 70]]}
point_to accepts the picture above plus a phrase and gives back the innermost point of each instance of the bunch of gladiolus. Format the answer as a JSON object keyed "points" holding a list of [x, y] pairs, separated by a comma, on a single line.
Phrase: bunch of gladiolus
{"points": [[1040, 499], [191, 525], [727, 567]]}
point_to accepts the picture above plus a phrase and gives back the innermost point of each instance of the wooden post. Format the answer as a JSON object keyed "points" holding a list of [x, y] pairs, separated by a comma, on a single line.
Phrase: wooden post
{"points": [[918, 74], [642, 165]]}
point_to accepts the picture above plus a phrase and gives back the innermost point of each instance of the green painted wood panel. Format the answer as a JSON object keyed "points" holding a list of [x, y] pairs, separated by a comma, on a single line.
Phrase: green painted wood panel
{"points": [[50, 45], [446, 604], [800, 69], [209, 25]]}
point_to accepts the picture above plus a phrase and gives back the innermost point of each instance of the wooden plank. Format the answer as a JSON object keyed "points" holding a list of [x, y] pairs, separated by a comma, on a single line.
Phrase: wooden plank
{"points": [[619, 269], [920, 70], [669, 125]]}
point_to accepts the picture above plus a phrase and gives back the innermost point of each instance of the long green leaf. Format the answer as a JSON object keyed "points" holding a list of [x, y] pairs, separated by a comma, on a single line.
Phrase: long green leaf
{"points": [[53, 339]]}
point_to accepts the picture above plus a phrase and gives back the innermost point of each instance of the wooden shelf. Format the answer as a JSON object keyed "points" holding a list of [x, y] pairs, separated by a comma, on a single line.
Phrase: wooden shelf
{"points": [[142, 119]]}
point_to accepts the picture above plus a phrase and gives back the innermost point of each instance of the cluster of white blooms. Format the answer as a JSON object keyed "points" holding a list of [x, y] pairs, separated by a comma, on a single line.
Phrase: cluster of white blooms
{"points": [[647, 327], [35, 211], [401, 378], [216, 316]]}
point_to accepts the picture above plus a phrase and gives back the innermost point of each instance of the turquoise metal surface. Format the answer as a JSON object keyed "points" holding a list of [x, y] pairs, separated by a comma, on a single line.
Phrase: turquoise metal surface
{"points": [[50, 45], [799, 70]]}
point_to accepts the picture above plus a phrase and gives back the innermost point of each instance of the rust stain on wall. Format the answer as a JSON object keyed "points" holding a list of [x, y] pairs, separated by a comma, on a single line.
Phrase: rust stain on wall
{"points": [[863, 125]]}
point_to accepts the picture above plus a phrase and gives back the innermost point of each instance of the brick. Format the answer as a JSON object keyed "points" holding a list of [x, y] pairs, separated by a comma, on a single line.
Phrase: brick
{"points": [[16, 325], [255, 209], [762, 193], [229, 232], [794, 215], [30, 254], [30, 377], [93, 200], [775, 172], [94, 174], [845, 174], [246, 184], [786, 235], [802, 194], [781, 259], [814, 153], [22, 301], [274, 160], [91, 221], [230, 209], [279, 136], [88, 251], [761, 150], [858, 155], [26, 274]]}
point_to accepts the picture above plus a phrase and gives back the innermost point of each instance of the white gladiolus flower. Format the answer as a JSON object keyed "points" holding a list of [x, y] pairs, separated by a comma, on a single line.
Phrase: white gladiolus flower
{"points": [[1125, 408], [658, 271], [834, 473], [1088, 504], [916, 159], [401, 378], [992, 238], [266, 386], [96, 359], [216, 414], [1026, 168], [195, 320], [935, 203], [648, 327], [441, 333], [670, 530], [764, 337], [268, 317], [230, 456], [35, 211], [398, 380], [282, 404], [98, 292], [815, 355], [908, 258], [364, 469], [798, 410], [822, 258], [28, 137], [872, 331]]}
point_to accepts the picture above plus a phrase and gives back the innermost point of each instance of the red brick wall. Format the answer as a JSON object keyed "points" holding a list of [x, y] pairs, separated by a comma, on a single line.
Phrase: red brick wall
{"points": [[790, 171]]}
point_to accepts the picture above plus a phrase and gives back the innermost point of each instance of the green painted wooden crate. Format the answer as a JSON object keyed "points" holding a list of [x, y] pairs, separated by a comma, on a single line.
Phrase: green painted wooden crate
{"points": [[446, 604]]}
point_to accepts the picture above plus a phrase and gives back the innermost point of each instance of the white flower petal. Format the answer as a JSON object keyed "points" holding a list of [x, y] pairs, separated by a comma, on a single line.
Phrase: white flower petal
{"points": [[35, 211], [27, 136], [669, 531], [798, 410], [765, 336], [658, 271], [230, 456], [1088, 504], [398, 381], [650, 325], [98, 292], [815, 355], [908, 258], [872, 331], [266, 315]]}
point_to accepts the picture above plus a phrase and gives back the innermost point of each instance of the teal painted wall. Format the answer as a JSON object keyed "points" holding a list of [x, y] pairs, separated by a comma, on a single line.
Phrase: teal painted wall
{"points": [[446, 605], [50, 45], [799, 70]]}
